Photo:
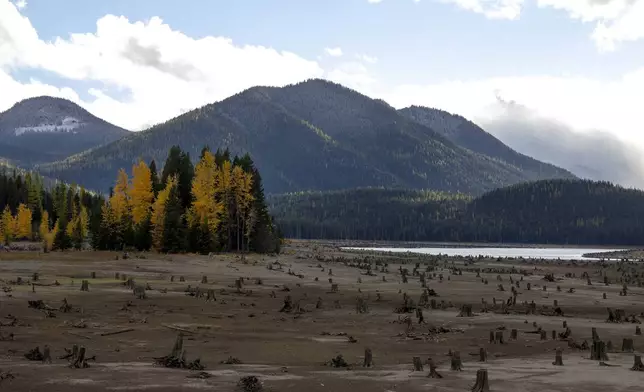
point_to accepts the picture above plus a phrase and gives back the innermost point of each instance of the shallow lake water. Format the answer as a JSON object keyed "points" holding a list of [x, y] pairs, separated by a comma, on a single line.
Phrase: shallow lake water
{"points": [[525, 252]]}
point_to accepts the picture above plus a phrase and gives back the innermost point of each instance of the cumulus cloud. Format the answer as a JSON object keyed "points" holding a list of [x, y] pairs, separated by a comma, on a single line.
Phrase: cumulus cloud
{"points": [[21, 4], [160, 70]]}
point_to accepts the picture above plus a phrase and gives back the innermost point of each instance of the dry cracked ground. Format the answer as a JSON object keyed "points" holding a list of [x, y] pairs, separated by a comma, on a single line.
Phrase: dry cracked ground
{"points": [[291, 351]]}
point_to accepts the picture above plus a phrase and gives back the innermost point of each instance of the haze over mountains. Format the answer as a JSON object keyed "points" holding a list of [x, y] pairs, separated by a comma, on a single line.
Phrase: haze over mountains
{"points": [[318, 135]]}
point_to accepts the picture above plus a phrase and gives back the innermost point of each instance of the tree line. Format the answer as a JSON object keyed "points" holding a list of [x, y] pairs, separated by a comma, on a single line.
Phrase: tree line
{"points": [[216, 205], [576, 212]]}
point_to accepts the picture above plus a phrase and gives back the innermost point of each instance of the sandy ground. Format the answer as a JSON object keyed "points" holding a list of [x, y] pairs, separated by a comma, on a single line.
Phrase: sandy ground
{"points": [[288, 351]]}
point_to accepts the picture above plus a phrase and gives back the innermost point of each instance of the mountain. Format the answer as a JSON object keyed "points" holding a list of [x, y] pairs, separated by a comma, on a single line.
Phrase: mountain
{"points": [[46, 129], [468, 135], [579, 212], [314, 135]]}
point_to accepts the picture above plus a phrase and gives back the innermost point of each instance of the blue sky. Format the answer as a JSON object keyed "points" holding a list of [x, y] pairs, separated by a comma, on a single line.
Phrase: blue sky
{"points": [[572, 65]]}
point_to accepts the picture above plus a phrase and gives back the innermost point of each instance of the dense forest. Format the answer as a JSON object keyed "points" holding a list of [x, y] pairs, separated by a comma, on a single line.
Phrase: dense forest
{"points": [[216, 205], [317, 135], [577, 212]]}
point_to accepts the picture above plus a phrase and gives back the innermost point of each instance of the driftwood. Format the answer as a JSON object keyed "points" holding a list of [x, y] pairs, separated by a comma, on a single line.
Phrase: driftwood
{"points": [[120, 331], [177, 328]]}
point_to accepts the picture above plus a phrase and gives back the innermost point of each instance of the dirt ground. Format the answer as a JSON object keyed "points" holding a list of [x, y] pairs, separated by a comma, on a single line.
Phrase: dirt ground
{"points": [[290, 351]]}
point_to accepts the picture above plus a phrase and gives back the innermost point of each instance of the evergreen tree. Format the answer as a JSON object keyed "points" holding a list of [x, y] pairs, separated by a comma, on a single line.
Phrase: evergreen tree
{"points": [[157, 185], [157, 221], [174, 232]]}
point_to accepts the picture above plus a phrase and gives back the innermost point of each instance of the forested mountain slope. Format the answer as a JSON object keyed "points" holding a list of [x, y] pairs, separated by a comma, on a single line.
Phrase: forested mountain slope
{"points": [[46, 129], [466, 134], [314, 135], [547, 211]]}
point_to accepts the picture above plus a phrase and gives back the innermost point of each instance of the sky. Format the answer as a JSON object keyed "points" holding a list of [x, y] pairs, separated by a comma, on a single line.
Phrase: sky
{"points": [[529, 71]]}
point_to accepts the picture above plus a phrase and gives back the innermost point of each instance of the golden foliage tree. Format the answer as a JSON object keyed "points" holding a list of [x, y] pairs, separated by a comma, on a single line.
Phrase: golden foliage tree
{"points": [[141, 192], [8, 225], [23, 223], [159, 212], [205, 208], [46, 235], [120, 200]]}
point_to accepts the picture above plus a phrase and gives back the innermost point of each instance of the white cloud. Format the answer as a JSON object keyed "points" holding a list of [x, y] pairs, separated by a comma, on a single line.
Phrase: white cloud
{"points": [[374, 1], [21, 4], [367, 59], [162, 71], [333, 52], [616, 21]]}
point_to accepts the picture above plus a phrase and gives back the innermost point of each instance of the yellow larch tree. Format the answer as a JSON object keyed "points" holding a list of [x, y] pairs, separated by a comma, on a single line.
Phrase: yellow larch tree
{"points": [[157, 219], [120, 200], [8, 225], [205, 208], [141, 192], [83, 221], [46, 235], [23, 223]]}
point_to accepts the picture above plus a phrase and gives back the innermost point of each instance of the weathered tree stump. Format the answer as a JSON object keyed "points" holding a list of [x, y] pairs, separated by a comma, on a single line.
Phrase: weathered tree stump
{"points": [[93, 275], [334, 288], [456, 363], [514, 334], [239, 284], [418, 365], [433, 373], [528, 286], [361, 305], [498, 337], [491, 336], [288, 304], [65, 307], [544, 335], [565, 324], [139, 292], [482, 382], [210, 296], [598, 351], [204, 279], [627, 345], [594, 334], [466, 311], [637, 364], [555, 303], [638, 330], [368, 358], [482, 355], [554, 335], [117, 276], [80, 361], [604, 295], [84, 285], [558, 358]]}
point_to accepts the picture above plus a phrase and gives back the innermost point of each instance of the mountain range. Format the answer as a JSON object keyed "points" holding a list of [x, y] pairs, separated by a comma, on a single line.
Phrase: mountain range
{"points": [[46, 129], [314, 135]]}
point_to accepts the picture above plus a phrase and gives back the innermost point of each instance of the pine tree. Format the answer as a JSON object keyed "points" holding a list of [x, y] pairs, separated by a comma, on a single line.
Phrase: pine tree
{"points": [[157, 186], [174, 232]]}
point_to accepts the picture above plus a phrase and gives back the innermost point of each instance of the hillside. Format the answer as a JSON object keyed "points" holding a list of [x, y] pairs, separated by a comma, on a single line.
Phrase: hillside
{"points": [[468, 135], [544, 212], [314, 135], [46, 129]]}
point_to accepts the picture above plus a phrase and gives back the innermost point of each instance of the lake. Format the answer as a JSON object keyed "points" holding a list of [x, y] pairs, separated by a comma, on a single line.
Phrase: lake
{"points": [[535, 253]]}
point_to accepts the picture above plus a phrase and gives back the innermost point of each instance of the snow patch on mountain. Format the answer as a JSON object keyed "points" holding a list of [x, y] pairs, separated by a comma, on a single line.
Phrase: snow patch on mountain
{"points": [[68, 124]]}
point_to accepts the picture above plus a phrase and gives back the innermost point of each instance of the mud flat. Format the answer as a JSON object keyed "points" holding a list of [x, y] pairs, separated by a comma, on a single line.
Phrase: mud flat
{"points": [[227, 310], [628, 254]]}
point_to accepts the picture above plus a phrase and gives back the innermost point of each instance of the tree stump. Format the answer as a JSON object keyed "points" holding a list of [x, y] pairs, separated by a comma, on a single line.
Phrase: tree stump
{"points": [[336, 304], [239, 284], [334, 288], [288, 304], [84, 285], [182, 279], [418, 365], [368, 358], [558, 358], [638, 330], [210, 296], [555, 303], [93, 275], [491, 336], [554, 335], [528, 286], [604, 296], [456, 365], [595, 335], [330, 272], [544, 335], [80, 362], [204, 279], [482, 383], [466, 311], [498, 337], [637, 364], [433, 373], [627, 345], [514, 334], [565, 324], [598, 351], [482, 355], [139, 292], [117, 276]]}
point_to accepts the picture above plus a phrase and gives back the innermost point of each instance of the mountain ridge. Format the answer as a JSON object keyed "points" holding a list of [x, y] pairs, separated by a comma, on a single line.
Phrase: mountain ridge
{"points": [[46, 129], [313, 135]]}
